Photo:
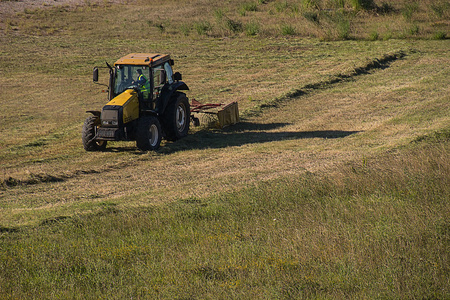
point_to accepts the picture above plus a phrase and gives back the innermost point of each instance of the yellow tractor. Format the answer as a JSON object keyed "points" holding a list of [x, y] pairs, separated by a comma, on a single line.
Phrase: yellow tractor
{"points": [[145, 104]]}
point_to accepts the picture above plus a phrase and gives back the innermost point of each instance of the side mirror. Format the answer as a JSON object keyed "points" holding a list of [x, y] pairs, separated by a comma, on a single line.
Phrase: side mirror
{"points": [[95, 75], [177, 76], [162, 77], [171, 62]]}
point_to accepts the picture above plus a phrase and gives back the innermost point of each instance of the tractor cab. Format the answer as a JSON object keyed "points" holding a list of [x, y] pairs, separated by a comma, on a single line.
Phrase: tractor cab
{"points": [[147, 74]]}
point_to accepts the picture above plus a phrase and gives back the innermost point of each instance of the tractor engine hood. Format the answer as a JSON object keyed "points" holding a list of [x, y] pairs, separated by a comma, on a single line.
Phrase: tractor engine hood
{"points": [[123, 109]]}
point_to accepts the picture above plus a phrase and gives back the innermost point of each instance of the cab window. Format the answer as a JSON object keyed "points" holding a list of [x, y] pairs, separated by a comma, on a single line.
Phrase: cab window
{"points": [[169, 72], [159, 79], [125, 75]]}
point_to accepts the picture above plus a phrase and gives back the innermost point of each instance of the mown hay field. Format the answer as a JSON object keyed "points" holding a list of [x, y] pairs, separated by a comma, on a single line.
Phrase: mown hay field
{"points": [[334, 185]]}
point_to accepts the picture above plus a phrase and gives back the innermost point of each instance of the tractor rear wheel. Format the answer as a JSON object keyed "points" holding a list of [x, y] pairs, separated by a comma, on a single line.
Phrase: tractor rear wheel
{"points": [[177, 117], [148, 133], [88, 134]]}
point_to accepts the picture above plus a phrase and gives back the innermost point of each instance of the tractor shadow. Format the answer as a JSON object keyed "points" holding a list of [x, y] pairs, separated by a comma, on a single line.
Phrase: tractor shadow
{"points": [[115, 147], [246, 133]]}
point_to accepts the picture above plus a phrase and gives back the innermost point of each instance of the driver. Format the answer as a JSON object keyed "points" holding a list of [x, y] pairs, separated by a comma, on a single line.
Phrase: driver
{"points": [[143, 83]]}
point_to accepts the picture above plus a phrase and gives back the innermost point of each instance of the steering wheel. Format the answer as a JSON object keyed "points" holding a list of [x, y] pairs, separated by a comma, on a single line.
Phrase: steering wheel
{"points": [[132, 86]]}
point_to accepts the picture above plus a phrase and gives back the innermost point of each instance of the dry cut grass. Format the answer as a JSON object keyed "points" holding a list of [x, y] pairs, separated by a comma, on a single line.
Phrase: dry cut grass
{"points": [[311, 127]]}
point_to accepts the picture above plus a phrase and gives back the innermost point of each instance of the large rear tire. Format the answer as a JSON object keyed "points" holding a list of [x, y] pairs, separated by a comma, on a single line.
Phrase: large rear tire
{"points": [[177, 117], [88, 134], [148, 134]]}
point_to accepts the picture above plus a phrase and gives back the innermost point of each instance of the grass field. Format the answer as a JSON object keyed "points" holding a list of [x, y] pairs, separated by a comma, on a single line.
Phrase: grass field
{"points": [[334, 185]]}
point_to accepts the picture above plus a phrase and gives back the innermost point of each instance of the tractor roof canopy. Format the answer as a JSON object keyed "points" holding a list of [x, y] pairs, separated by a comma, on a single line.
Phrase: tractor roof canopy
{"points": [[144, 59]]}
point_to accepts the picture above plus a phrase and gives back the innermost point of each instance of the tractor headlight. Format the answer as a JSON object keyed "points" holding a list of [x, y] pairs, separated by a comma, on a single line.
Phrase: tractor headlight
{"points": [[110, 122]]}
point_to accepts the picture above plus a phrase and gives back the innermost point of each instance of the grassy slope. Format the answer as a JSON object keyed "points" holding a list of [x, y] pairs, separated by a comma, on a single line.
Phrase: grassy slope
{"points": [[382, 232], [226, 244]]}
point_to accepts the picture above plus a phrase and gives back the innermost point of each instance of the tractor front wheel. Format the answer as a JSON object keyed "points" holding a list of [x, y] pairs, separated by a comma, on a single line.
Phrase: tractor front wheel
{"points": [[88, 135], [148, 133]]}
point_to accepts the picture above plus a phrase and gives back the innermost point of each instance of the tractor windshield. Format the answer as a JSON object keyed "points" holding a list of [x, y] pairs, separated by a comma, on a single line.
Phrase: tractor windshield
{"points": [[127, 76]]}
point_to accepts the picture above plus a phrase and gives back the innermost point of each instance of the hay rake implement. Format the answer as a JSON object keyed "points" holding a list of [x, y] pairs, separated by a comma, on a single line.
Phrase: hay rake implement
{"points": [[227, 114]]}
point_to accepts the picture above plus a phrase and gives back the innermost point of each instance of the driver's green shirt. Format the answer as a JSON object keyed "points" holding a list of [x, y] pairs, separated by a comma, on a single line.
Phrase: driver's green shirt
{"points": [[145, 85]]}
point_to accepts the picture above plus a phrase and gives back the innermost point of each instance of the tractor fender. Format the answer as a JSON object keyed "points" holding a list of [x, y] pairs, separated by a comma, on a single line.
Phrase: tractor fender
{"points": [[167, 92], [95, 112], [179, 85]]}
